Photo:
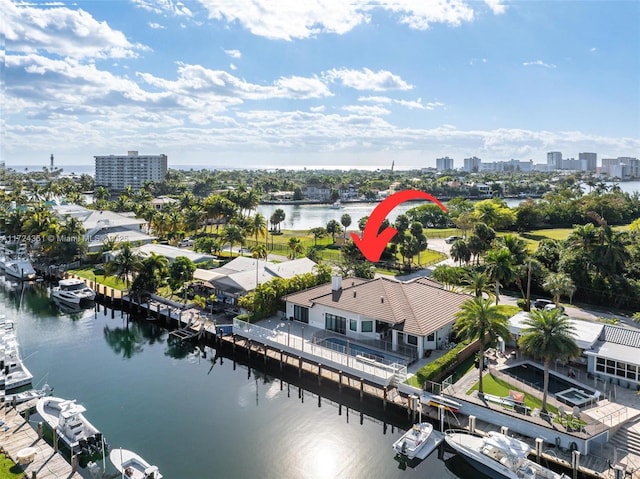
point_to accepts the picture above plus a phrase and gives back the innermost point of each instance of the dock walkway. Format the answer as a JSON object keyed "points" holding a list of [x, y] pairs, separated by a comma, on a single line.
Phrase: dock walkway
{"points": [[16, 434]]}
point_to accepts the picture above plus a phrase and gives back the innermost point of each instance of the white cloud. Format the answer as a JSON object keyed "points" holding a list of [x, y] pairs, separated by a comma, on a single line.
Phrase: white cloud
{"points": [[593, 50], [289, 19], [411, 104], [164, 6], [62, 31], [232, 66], [538, 63], [156, 26], [366, 79], [233, 53], [317, 109], [375, 99], [496, 6], [372, 110], [473, 61]]}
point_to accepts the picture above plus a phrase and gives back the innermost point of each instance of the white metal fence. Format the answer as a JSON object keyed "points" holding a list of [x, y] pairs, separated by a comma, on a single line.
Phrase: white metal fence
{"points": [[374, 370]]}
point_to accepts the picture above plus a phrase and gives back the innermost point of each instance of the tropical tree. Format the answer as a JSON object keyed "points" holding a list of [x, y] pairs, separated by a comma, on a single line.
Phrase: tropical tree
{"points": [[317, 232], [477, 319], [152, 274], [333, 227], [460, 251], [500, 268], [233, 234], [180, 272], [124, 265], [558, 285], [550, 335], [345, 221], [277, 217], [477, 284], [259, 226], [295, 247], [260, 251]]}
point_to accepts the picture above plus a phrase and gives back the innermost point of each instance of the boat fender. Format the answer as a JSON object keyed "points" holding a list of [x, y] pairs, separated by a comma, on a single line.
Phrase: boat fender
{"points": [[573, 446], [558, 441]]}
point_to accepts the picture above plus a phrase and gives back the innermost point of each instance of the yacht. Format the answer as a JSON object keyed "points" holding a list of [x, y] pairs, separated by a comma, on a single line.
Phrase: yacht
{"points": [[13, 372], [73, 290], [66, 418], [336, 205], [21, 269], [498, 455]]}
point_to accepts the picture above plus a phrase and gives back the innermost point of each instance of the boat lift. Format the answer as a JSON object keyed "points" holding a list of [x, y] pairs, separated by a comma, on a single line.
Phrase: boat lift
{"points": [[194, 328]]}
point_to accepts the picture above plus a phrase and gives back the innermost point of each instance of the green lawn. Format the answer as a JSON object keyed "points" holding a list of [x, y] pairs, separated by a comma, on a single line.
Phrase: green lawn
{"points": [[498, 387], [8, 469], [109, 281]]}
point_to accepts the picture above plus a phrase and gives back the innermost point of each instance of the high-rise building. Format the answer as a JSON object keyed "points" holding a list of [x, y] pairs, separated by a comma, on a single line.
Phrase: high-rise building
{"points": [[588, 161], [444, 164], [554, 160], [117, 172], [472, 165]]}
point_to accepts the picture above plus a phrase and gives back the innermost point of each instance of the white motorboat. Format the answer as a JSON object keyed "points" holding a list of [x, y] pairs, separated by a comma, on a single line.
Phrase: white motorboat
{"points": [[25, 396], [498, 455], [336, 206], [413, 440], [132, 466], [66, 418], [20, 269], [13, 372], [73, 290]]}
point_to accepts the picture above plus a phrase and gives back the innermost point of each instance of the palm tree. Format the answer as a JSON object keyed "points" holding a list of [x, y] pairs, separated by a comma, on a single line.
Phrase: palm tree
{"points": [[500, 268], [345, 221], [333, 227], [477, 318], [478, 284], [259, 251], [259, 226], [233, 234], [460, 251], [559, 284], [125, 264], [548, 334], [295, 246], [278, 217]]}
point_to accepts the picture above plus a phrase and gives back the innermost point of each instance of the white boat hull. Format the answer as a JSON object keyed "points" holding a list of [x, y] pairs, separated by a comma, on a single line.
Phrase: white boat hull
{"points": [[65, 417], [132, 466], [413, 440]]}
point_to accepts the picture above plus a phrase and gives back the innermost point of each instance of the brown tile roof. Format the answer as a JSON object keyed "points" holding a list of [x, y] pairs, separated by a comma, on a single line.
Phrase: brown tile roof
{"points": [[419, 307]]}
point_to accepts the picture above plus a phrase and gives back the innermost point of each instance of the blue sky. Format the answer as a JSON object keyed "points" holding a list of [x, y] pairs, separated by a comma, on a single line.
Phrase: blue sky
{"points": [[319, 83]]}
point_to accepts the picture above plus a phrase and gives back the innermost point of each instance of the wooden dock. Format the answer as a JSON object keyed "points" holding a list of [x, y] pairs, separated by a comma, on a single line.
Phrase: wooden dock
{"points": [[16, 434]]}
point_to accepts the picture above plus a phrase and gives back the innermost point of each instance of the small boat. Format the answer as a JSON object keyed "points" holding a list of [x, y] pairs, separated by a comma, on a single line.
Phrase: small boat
{"points": [[66, 418], [73, 290], [336, 205], [498, 455], [413, 440], [19, 398], [437, 400], [132, 466]]}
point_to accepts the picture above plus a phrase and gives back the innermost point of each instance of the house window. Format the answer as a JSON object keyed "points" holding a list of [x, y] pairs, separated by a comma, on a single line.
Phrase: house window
{"points": [[600, 365], [431, 337], [411, 339], [367, 326], [353, 325], [335, 323], [300, 313]]}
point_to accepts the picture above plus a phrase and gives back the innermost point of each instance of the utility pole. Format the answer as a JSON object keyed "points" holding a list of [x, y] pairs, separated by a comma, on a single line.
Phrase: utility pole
{"points": [[529, 287]]}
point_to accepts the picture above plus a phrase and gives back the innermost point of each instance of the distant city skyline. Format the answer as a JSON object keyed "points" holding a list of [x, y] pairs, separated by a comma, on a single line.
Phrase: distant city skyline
{"points": [[339, 85]]}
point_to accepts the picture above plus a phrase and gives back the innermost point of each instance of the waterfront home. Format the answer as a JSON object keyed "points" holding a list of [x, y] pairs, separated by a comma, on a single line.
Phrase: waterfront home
{"points": [[242, 274], [103, 224], [609, 352], [419, 314]]}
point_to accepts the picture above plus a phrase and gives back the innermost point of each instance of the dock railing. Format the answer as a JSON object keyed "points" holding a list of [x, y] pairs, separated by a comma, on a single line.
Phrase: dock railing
{"points": [[378, 371]]}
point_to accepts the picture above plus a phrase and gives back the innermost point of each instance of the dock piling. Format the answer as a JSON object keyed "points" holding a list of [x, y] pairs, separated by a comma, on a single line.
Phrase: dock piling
{"points": [[472, 424], [340, 381], [384, 398], [40, 430], [361, 388], [299, 366], [319, 374], [539, 444], [575, 463]]}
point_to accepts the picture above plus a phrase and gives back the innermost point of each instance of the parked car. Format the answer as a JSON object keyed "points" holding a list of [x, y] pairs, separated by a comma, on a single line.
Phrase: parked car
{"points": [[185, 242], [452, 239], [551, 306], [542, 303]]}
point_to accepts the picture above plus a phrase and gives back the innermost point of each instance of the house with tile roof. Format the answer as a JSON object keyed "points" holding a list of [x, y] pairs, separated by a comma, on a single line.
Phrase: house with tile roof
{"points": [[419, 313]]}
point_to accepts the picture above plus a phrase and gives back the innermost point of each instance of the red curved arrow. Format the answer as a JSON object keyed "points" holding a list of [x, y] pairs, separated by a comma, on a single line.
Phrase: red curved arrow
{"points": [[373, 244]]}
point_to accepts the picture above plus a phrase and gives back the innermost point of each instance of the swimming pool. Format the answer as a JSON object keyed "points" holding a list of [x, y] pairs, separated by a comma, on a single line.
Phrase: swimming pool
{"points": [[356, 349], [569, 392]]}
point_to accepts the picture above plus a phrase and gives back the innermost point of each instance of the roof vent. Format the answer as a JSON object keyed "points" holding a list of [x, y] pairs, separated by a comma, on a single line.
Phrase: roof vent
{"points": [[382, 299], [336, 283], [354, 294]]}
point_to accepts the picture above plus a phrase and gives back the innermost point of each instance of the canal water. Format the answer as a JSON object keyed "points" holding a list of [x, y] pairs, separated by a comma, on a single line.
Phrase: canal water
{"points": [[197, 415]]}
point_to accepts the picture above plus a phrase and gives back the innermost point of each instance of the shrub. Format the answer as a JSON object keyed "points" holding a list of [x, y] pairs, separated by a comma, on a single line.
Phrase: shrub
{"points": [[440, 366]]}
